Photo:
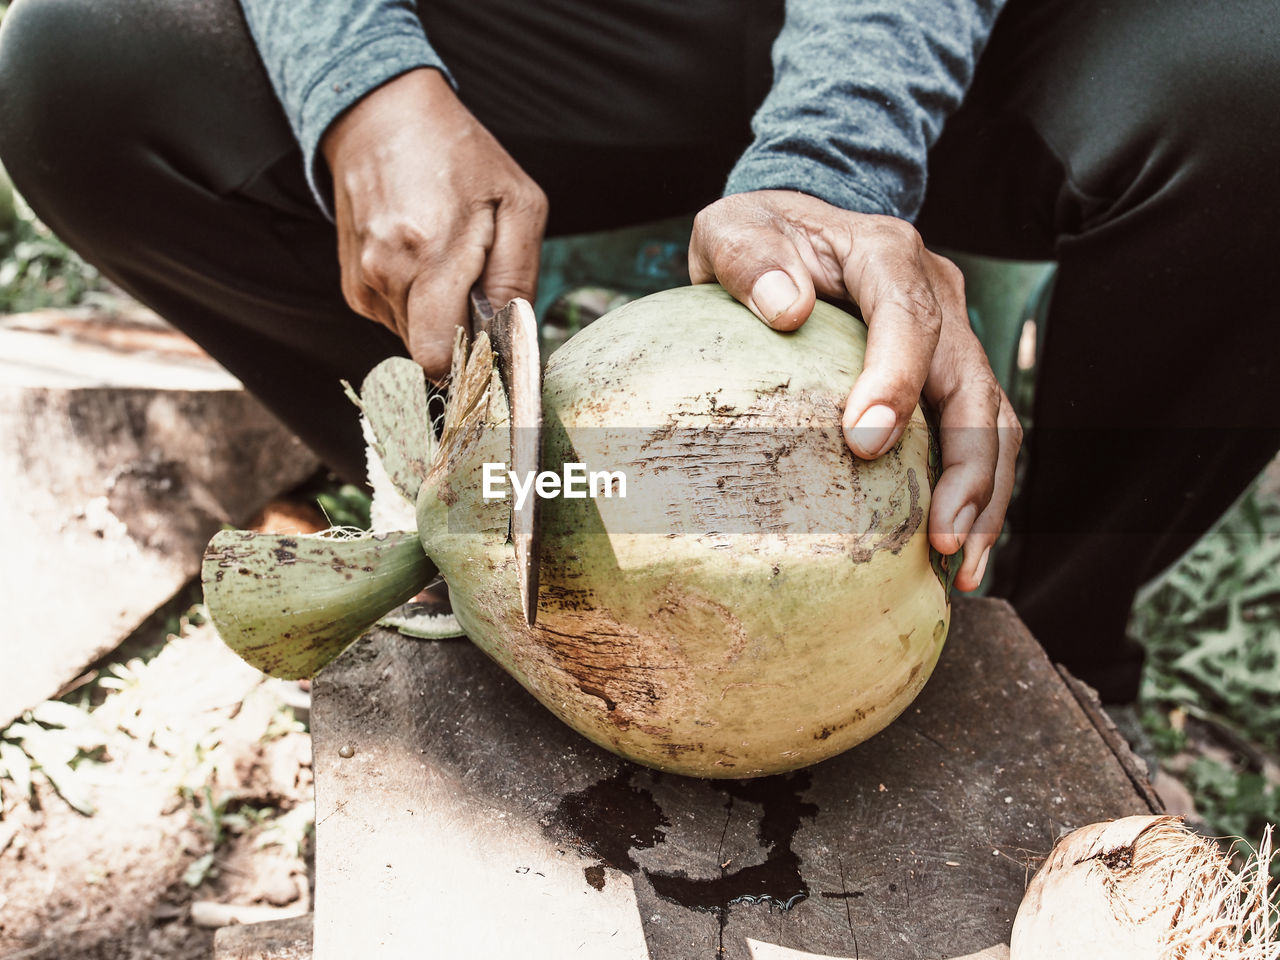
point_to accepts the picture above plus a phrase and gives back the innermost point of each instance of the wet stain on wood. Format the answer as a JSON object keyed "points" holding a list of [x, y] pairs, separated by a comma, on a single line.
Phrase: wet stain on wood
{"points": [[613, 817]]}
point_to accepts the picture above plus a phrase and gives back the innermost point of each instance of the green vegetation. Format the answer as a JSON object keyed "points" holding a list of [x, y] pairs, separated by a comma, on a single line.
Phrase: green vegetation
{"points": [[1212, 626], [36, 268], [57, 742], [345, 505], [1211, 692]]}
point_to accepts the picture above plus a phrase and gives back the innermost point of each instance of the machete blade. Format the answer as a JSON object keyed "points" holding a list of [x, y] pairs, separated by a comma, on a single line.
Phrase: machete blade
{"points": [[513, 334]]}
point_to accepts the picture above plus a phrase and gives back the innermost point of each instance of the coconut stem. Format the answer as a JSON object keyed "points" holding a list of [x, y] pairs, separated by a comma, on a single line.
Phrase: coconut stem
{"points": [[288, 605]]}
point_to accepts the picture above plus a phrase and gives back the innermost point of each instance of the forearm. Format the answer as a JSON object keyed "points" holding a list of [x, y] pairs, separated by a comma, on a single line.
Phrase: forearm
{"points": [[324, 55], [860, 93]]}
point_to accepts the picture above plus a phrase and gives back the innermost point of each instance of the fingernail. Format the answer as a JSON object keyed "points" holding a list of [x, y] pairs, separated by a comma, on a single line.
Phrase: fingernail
{"points": [[772, 294], [982, 566], [870, 435], [964, 523]]}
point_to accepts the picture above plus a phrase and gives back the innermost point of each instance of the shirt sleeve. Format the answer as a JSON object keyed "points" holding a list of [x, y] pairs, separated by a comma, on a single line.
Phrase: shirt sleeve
{"points": [[324, 55], [860, 92]]}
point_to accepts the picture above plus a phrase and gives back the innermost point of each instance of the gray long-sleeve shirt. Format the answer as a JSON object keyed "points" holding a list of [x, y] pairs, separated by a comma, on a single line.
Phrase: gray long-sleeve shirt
{"points": [[861, 87]]}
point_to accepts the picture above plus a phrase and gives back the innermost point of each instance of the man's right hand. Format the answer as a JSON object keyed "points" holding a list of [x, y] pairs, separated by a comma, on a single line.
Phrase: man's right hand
{"points": [[427, 202]]}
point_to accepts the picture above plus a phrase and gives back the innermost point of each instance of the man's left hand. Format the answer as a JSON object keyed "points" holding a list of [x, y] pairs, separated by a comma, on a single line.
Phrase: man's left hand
{"points": [[775, 250]]}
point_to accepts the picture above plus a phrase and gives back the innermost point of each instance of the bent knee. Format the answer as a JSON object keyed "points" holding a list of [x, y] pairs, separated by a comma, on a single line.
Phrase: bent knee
{"points": [[104, 98], [1204, 88], [59, 91]]}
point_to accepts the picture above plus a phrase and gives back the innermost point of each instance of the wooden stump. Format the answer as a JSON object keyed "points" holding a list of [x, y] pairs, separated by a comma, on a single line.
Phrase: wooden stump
{"points": [[457, 818], [123, 448]]}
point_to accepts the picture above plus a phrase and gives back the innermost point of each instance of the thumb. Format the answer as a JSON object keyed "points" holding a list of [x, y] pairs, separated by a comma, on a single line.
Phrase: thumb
{"points": [[757, 264]]}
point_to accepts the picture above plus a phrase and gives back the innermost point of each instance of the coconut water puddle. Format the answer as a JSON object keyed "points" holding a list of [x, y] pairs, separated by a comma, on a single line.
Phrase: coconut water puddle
{"points": [[608, 820], [614, 817]]}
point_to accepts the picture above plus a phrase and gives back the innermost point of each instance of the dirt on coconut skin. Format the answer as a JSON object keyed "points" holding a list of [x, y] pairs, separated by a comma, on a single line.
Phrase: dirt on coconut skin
{"points": [[111, 886]]}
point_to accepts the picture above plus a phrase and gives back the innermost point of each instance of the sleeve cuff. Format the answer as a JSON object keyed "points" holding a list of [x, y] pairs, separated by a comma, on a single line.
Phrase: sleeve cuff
{"points": [[350, 76], [768, 171]]}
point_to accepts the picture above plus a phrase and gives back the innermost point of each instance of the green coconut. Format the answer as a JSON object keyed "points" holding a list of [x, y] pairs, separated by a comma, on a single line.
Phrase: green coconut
{"points": [[751, 598]]}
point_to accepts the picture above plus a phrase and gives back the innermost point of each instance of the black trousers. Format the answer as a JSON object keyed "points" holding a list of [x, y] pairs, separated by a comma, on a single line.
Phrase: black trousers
{"points": [[1134, 141]]}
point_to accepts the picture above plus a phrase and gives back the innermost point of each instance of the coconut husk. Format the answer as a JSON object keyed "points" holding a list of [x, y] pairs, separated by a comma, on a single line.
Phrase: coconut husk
{"points": [[1147, 888]]}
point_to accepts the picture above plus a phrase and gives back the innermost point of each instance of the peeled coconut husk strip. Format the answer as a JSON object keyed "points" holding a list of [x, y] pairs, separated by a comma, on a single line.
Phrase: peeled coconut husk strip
{"points": [[1147, 888]]}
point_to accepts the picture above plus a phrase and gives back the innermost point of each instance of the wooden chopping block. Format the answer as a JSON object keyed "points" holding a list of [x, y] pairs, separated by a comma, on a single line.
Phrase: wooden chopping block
{"points": [[457, 818]]}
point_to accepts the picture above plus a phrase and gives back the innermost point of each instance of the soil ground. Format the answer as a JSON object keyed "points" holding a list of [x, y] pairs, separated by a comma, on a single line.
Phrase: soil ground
{"points": [[202, 758]]}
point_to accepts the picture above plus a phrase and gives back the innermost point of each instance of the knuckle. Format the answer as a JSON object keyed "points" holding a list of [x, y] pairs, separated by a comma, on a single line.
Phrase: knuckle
{"points": [[1015, 435], [709, 224], [949, 282], [540, 201], [705, 218], [898, 234], [983, 488], [700, 232], [901, 390], [531, 201], [368, 263], [993, 396], [359, 298], [398, 241], [918, 302], [979, 396], [373, 270], [734, 251], [412, 240], [1010, 426], [949, 275]]}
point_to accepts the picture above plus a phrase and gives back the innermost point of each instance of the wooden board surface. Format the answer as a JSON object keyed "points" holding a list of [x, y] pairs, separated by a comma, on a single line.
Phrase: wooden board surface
{"points": [[466, 822]]}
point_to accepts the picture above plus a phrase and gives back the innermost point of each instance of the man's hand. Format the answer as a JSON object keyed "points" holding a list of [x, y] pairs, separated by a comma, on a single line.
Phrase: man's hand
{"points": [[772, 249], [427, 202]]}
